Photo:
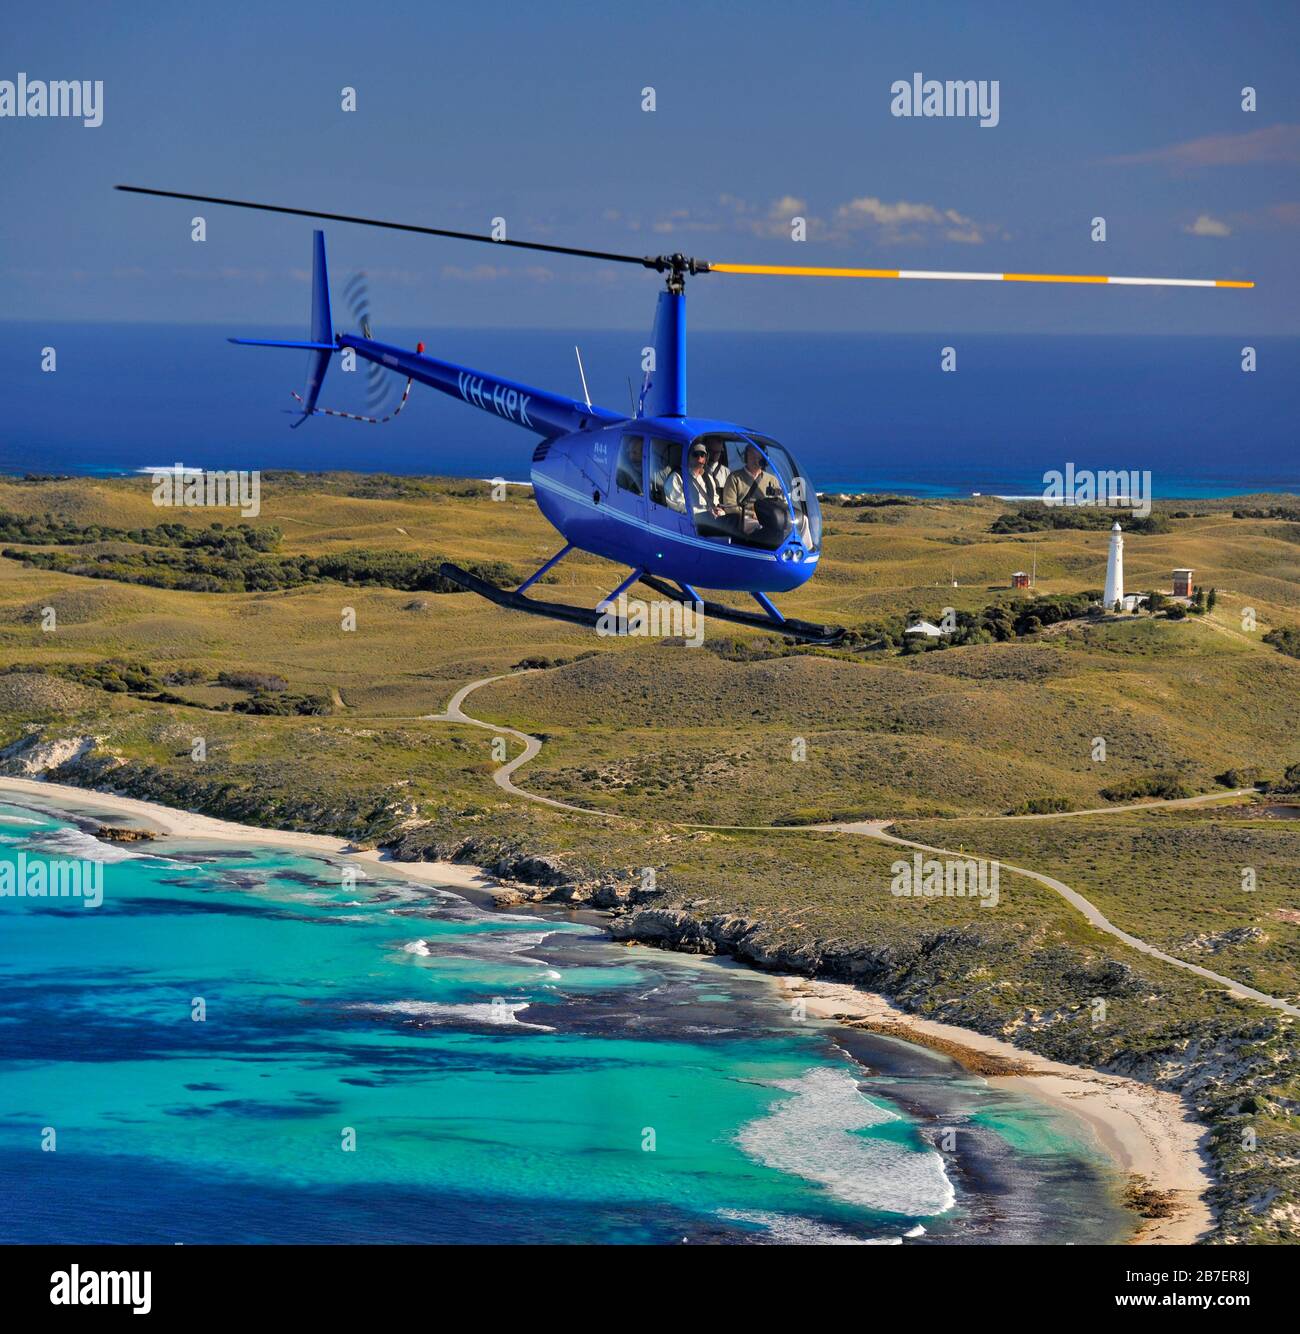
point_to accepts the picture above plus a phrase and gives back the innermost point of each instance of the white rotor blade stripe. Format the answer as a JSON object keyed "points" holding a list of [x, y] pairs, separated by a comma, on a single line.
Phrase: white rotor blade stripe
{"points": [[946, 275]]}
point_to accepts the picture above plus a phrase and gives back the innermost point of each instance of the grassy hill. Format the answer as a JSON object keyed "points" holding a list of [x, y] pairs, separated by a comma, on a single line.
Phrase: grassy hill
{"points": [[987, 728], [310, 725], [1172, 877]]}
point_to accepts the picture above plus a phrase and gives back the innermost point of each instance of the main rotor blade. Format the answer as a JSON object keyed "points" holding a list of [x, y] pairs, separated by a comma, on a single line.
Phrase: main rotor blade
{"points": [[806, 271], [679, 265], [393, 226]]}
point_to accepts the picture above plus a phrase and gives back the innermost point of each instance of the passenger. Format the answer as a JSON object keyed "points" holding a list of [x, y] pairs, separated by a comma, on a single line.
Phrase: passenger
{"points": [[716, 463], [671, 485], [746, 487], [705, 495], [668, 477], [629, 464]]}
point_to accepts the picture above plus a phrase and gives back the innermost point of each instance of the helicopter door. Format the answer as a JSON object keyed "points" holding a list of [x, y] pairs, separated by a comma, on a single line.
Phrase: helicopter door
{"points": [[667, 493], [627, 495]]}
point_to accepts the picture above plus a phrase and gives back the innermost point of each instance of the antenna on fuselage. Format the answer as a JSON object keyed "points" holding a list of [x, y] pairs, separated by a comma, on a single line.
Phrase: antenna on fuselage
{"points": [[582, 375]]}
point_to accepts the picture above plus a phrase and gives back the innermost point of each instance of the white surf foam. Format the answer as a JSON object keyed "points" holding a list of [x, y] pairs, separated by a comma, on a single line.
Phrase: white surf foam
{"points": [[75, 844], [9, 814], [795, 1229], [500, 946], [479, 1012], [815, 1134]]}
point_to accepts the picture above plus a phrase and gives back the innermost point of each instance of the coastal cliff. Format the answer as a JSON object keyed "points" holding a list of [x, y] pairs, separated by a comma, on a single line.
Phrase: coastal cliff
{"points": [[1232, 1066]]}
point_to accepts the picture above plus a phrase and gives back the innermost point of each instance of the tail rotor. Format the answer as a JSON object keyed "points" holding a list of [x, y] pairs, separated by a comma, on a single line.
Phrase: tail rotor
{"points": [[378, 384]]}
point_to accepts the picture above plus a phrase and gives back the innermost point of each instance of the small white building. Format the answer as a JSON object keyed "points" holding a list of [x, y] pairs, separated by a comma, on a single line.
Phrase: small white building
{"points": [[926, 628]]}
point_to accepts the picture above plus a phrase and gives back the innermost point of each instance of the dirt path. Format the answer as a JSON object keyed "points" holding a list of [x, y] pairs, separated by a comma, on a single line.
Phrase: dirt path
{"points": [[1204, 799], [1090, 912], [503, 777]]}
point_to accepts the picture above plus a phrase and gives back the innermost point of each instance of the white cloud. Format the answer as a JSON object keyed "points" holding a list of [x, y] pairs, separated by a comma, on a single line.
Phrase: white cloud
{"points": [[891, 218], [1208, 226], [897, 220], [488, 273]]}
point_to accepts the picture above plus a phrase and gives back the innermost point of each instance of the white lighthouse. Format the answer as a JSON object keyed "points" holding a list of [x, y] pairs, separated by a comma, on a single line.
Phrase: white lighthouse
{"points": [[1115, 569]]}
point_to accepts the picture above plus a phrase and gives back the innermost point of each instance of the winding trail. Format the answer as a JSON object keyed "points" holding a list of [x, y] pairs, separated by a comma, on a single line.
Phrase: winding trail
{"points": [[878, 829], [1204, 799], [1093, 915], [455, 713]]}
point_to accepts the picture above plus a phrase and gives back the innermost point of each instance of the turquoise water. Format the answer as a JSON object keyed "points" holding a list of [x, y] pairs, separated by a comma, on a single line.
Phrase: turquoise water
{"points": [[248, 1045]]}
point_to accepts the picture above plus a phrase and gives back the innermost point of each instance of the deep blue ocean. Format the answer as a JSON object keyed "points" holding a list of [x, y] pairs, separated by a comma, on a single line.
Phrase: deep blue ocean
{"points": [[858, 410]]}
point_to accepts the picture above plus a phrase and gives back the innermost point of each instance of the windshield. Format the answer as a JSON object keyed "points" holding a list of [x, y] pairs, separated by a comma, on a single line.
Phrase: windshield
{"points": [[803, 499], [748, 490]]}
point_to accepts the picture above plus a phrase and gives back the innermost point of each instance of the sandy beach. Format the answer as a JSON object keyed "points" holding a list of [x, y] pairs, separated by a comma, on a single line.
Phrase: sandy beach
{"points": [[1146, 1132], [185, 824]]}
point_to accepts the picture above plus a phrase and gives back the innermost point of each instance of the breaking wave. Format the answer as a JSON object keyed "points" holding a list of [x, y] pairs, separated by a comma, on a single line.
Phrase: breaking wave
{"points": [[817, 1134], [488, 1013]]}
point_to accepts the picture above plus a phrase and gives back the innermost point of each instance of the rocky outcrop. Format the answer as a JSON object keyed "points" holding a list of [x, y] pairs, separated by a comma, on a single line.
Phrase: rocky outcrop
{"points": [[30, 757], [754, 943], [111, 833], [531, 877], [1213, 942]]}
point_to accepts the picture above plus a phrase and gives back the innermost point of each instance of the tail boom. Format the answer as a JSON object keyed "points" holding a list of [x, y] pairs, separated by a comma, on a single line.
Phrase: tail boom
{"points": [[534, 409], [548, 415]]}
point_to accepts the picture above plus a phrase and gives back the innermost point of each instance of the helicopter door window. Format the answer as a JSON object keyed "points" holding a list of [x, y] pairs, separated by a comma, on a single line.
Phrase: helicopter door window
{"points": [[629, 464], [666, 474]]}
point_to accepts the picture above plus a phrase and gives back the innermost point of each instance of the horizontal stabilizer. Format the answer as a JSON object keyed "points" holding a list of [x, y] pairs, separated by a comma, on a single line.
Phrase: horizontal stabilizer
{"points": [[283, 342]]}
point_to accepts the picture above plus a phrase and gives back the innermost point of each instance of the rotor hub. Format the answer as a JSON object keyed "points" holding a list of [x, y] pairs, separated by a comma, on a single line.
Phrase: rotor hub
{"points": [[676, 267]]}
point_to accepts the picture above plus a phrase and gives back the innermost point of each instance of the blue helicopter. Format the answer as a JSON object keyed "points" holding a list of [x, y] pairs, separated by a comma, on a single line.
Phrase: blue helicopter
{"points": [[685, 502]]}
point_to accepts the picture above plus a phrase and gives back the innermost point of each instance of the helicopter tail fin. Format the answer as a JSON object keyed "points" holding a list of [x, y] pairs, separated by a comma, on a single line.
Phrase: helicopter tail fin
{"points": [[321, 342]]}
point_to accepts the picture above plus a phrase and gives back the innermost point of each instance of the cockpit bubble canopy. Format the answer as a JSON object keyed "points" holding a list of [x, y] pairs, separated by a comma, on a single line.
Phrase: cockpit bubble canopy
{"points": [[752, 492]]}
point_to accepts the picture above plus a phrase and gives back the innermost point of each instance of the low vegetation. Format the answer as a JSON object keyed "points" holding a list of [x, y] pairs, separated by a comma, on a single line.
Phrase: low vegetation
{"points": [[246, 569], [1035, 517], [311, 725], [1286, 639]]}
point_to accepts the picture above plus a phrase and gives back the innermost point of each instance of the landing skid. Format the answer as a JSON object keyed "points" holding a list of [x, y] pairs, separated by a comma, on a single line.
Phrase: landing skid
{"points": [[514, 600], [806, 632]]}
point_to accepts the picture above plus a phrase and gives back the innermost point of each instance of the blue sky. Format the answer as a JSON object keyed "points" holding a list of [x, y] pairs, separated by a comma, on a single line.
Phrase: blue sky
{"points": [[532, 112]]}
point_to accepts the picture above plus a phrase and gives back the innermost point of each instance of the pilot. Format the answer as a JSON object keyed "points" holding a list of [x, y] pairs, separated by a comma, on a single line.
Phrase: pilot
{"points": [[746, 487]]}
